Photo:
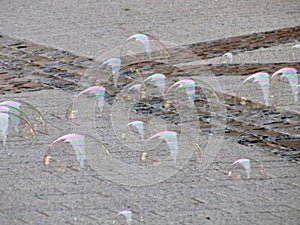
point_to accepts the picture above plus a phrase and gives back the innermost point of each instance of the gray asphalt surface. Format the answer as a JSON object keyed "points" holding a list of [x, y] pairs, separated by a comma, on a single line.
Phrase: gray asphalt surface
{"points": [[29, 194]]}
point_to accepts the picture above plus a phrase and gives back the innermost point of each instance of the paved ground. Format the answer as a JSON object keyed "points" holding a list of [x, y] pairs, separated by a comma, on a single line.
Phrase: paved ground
{"points": [[194, 195], [31, 195], [92, 27]]}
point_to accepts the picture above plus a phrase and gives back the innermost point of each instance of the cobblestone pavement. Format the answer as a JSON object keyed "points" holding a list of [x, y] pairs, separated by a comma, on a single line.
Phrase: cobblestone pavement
{"points": [[28, 65]]}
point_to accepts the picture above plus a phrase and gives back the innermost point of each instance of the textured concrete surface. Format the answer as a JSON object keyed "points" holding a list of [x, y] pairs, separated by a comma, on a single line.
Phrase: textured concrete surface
{"points": [[93, 27], [29, 194]]}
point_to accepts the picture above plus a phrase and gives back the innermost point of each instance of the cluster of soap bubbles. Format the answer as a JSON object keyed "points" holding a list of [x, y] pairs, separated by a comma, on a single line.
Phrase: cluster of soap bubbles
{"points": [[136, 117], [151, 115], [19, 118], [278, 92], [278, 81], [140, 114]]}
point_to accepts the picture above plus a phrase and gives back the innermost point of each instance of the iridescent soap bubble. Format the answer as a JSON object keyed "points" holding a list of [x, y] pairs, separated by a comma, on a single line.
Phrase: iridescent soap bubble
{"points": [[255, 88], [158, 80], [97, 92], [152, 47], [247, 169], [188, 85], [70, 152], [290, 75], [115, 64], [170, 137], [229, 56], [128, 216], [14, 107], [139, 126]]}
